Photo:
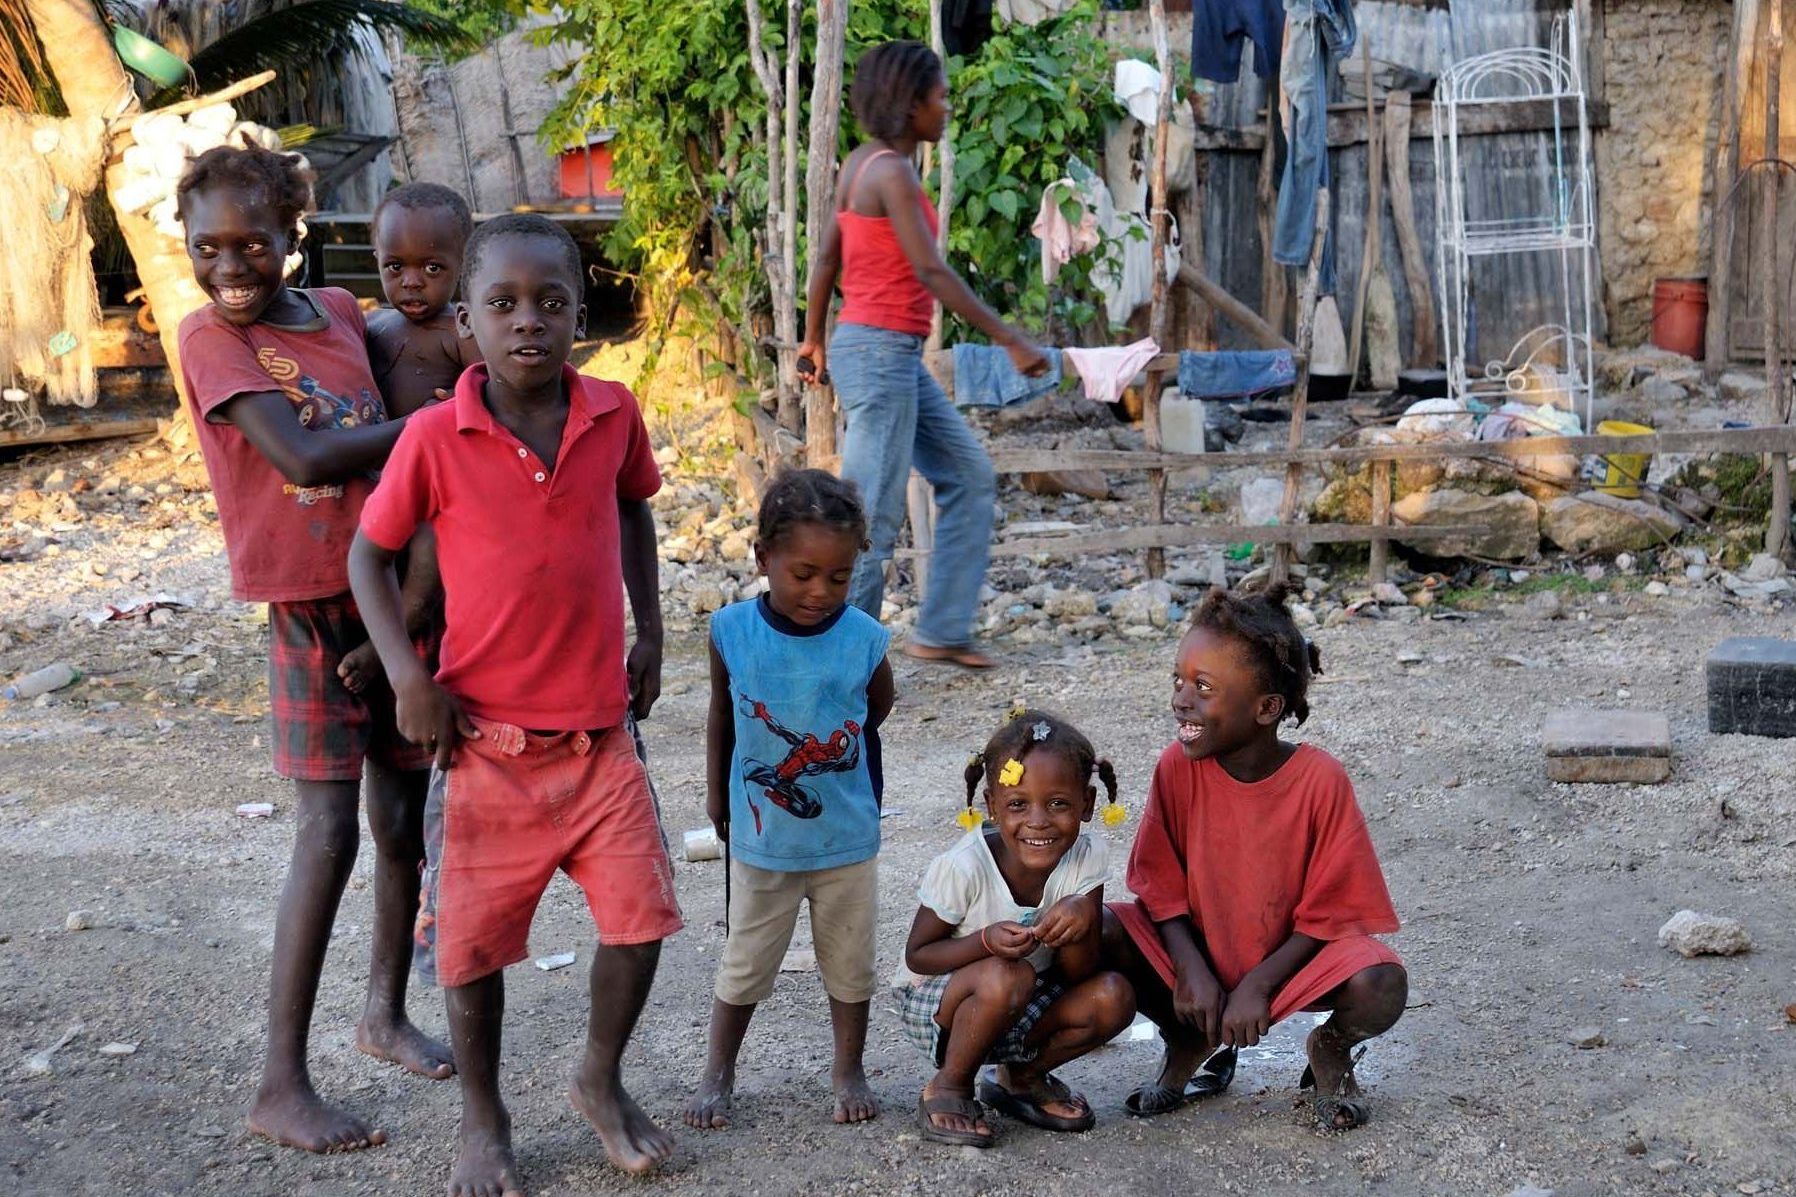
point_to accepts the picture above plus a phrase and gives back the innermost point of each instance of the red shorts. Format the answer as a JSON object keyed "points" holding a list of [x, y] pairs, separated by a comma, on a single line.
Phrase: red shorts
{"points": [[513, 808], [322, 732]]}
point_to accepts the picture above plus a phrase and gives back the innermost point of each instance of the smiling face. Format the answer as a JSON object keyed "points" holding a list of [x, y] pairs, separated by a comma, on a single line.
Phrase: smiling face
{"points": [[1038, 818], [419, 253], [238, 245], [1219, 698], [523, 310], [808, 568]]}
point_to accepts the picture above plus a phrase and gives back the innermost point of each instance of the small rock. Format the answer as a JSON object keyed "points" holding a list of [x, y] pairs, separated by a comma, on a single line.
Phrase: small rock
{"points": [[1303, 615], [1389, 594], [1624, 563], [1634, 1144], [1544, 605], [161, 617], [1665, 1165], [1410, 657], [1592, 522], [1659, 589], [57, 479], [1586, 1038], [1593, 573], [1696, 573], [1070, 604], [1530, 1191], [79, 920], [119, 1049], [706, 599], [554, 961], [736, 547], [255, 810], [1763, 568], [1691, 934], [1661, 392]]}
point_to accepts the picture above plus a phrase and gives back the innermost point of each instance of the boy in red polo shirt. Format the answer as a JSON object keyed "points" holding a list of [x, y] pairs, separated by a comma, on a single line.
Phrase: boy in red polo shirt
{"points": [[536, 481]]}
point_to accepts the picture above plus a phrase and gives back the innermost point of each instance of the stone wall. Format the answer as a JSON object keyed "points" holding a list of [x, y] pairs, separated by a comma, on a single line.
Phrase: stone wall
{"points": [[1664, 62]]}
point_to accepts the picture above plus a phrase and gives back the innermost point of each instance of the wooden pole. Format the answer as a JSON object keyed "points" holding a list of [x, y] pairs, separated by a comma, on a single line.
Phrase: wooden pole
{"points": [[820, 200], [774, 260], [1379, 566], [1200, 314], [1150, 402], [1272, 275], [1424, 349], [1369, 247], [1716, 335], [1300, 398], [1777, 531], [1237, 313], [938, 41]]}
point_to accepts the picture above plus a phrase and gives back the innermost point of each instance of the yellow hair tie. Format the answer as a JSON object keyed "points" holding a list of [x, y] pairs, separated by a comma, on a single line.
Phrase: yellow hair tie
{"points": [[1115, 814], [1011, 773], [970, 819]]}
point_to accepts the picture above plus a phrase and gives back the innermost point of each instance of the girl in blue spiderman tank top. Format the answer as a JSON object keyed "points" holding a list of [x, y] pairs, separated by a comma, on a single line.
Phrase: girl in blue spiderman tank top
{"points": [[799, 687]]}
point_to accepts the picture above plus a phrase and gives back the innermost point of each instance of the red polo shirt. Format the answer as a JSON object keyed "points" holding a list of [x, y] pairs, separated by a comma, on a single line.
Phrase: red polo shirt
{"points": [[532, 573]]}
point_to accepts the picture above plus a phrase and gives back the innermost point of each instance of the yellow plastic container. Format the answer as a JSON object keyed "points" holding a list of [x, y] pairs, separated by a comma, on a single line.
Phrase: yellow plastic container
{"points": [[1623, 472]]}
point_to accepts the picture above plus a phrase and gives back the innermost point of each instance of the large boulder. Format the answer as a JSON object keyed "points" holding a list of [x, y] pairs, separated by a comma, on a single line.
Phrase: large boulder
{"points": [[1513, 520], [1593, 522]]}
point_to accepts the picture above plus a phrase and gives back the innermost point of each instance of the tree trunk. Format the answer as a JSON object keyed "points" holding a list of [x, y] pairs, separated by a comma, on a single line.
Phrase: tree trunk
{"points": [[820, 201], [79, 52], [781, 206]]}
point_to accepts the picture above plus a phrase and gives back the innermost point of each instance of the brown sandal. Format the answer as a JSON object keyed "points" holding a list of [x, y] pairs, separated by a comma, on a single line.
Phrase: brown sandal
{"points": [[965, 1107], [965, 656]]}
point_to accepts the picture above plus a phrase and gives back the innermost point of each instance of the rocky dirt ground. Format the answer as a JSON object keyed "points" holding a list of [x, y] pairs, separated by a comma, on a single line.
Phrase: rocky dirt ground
{"points": [[1530, 909]]}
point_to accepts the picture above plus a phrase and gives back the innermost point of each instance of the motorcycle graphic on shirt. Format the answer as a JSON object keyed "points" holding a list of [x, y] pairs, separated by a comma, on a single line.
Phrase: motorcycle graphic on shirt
{"points": [[781, 782]]}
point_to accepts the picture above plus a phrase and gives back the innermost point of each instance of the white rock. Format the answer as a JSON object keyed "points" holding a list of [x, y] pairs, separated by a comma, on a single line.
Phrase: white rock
{"points": [[1544, 605], [79, 920], [1624, 562], [119, 1049], [1390, 594], [707, 598], [1657, 589], [1691, 934], [1070, 604], [1763, 568]]}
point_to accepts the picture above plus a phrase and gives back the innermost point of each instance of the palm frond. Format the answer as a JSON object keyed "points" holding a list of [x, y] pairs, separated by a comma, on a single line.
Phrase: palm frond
{"points": [[312, 30], [22, 72]]}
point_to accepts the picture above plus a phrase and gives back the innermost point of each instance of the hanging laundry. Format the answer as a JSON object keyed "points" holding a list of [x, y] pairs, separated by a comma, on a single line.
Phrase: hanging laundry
{"points": [[1232, 373], [1129, 146], [1031, 12], [1061, 239], [1105, 373], [984, 377], [1318, 33], [1220, 28], [1138, 89], [1125, 274]]}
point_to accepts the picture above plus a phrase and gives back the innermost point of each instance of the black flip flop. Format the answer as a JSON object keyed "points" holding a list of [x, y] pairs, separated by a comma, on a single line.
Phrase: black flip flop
{"points": [[1331, 1108], [1023, 1109], [1212, 1080]]}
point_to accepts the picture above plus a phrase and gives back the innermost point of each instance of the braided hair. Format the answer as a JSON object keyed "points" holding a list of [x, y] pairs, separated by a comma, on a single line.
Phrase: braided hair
{"points": [[259, 175], [890, 81], [1262, 622], [810, 497], [1022, 735]]}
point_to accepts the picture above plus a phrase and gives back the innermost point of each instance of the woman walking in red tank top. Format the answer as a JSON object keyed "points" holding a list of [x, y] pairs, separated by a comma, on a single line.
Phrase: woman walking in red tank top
{"points": [[882, 245]]}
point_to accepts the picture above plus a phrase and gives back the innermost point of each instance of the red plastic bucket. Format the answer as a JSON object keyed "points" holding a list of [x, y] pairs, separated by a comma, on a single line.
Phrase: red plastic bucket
{"points": [[1680, 314]]}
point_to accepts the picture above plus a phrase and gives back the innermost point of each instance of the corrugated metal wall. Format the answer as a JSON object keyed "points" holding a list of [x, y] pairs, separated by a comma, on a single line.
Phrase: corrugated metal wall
{"points": [[1510, 295]]}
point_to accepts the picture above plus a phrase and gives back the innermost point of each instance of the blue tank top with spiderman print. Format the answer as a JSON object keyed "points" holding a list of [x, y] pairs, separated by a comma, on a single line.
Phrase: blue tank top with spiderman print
{"points": [[805, 778]]}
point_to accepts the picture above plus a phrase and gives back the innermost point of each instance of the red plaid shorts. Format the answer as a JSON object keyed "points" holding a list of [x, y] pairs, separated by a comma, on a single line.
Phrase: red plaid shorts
{"points": [[322, 732]]}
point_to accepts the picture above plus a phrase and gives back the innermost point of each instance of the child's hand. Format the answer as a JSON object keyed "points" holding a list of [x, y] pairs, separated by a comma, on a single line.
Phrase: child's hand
{"points": [[431, 717], [1197, 1000], [1247, 1017], [1067, 921], [1008, 941], [644, 668]]}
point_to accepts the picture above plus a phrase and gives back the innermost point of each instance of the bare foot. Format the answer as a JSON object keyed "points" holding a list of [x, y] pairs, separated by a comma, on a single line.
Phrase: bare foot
{"points": [[486, 1167], [403, 1044], [359, 667], [709, 1108], [855, 1101], [1338, 1106], [295, 1116], [632, 1140]]}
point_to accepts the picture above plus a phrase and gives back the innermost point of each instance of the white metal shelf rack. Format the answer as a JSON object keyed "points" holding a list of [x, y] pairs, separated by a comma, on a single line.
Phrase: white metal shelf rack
{"points": [[1555, 362]]}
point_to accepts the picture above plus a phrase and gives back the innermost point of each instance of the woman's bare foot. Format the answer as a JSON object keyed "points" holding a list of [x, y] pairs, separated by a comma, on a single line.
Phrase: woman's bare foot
{"points": [[295, 1116], [855, 1101], [403, 1044], [1338, 1106], [486, 1167], [359, 667], [709, 1108], [632, 1140]]}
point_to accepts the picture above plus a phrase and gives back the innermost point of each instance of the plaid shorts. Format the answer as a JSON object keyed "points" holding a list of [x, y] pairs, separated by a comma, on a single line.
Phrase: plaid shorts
{"points": [[917, 1006], [322, 732]]}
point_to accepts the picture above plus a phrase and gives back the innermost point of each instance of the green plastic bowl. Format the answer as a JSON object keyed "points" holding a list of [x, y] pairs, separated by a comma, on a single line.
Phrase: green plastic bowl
{"points": [[147, 58]]}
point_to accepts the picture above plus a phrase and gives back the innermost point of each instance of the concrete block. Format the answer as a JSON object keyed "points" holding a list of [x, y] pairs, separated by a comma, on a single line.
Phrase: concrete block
{"points": [[1752, 687], [1607, 746]]}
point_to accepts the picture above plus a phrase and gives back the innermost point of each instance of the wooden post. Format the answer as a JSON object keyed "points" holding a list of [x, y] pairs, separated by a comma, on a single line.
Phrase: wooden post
{"points": [[1300, 398], [1369, 247], [779, 255], [944, 206], [820, 201], [1200, 315], [1716, 336], [1379, 564], [1777, 531], [1150, 402], [1424, 349], [1272, 275], [1236, 312]]}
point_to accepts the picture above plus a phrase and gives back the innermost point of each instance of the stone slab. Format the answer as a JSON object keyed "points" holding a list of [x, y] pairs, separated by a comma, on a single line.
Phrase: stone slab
{"points": [[1752, 687], [1609, 770], [1587, 732]]}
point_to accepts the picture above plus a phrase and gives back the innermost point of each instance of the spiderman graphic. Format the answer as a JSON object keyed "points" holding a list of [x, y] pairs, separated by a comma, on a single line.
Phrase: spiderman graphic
{"points": [[841, 753]]}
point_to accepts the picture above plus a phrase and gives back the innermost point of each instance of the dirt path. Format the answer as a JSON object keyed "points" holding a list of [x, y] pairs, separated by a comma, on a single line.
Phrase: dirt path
{"points": [[1530, 910]]}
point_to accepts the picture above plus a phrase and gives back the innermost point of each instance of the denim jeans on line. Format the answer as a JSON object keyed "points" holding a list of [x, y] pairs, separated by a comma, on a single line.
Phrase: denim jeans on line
{"points": [[898, 417], [1318, 33]]}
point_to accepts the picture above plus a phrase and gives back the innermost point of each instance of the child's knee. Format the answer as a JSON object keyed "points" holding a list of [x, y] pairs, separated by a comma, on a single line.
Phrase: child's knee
{"points": [[1379, 993], [1113, 1000], [1009, 983]]}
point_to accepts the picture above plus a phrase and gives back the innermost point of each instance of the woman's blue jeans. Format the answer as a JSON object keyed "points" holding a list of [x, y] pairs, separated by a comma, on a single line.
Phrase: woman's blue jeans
{"points": [[898, 417]]}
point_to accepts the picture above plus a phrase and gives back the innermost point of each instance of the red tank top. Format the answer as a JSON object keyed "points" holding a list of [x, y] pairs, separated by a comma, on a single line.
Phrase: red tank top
{"points": [[879, 288]]}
